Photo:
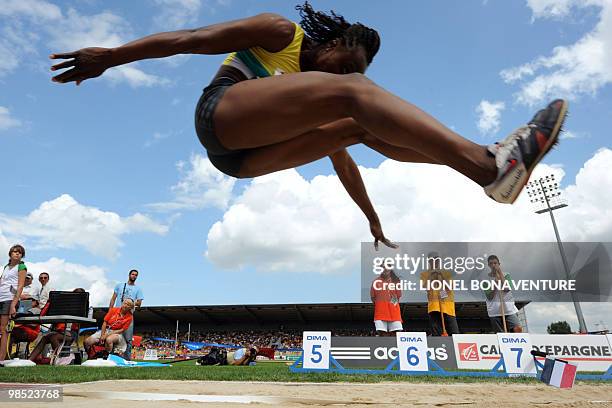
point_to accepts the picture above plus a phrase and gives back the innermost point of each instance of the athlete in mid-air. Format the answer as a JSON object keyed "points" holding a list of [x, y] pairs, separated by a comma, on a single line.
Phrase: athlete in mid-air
{"points": [[289, 94]]}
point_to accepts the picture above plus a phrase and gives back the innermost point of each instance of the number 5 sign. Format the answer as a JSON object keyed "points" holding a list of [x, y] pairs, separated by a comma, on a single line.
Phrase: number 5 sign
{"points": [[412, 350], [316, 347], [516, 350]]}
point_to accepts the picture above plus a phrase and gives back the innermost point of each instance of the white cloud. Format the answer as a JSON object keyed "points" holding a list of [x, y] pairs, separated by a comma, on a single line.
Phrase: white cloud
{"points": [[568, 134], [489, 116], [38, 9], [76, 31], [156, 138], [16, 42], [65, 223], [65, 32], [572, 70], [65, 275], [134, 77], [4, 244], [200, 186], [261, 227], [7, 121], [284, 222], [551, 8], [9, 60], [589, 217], [101, 30], [177, 14]]}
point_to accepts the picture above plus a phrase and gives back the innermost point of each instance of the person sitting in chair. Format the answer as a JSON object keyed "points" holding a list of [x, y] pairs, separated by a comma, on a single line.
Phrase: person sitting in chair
{"points": [[116, 321], [57, 337]]}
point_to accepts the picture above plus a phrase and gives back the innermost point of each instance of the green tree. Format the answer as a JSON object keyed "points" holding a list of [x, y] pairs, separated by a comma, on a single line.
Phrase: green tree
{"points": [[562, 327]]}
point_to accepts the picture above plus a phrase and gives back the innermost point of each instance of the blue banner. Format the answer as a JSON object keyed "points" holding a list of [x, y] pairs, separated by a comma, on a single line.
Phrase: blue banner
{"points": [[85, 329], [162, 339], [194, 345]]}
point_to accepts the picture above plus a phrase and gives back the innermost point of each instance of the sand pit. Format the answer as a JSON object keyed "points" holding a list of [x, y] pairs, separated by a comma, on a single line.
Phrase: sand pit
{"points": [[157, 393]]}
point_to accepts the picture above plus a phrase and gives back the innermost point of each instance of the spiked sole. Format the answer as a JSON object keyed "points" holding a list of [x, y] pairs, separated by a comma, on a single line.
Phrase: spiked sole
{"points": [[509, 188]]}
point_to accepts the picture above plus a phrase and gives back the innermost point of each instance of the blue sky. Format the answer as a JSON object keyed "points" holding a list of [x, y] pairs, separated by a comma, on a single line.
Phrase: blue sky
{"points": [[109, 176]]}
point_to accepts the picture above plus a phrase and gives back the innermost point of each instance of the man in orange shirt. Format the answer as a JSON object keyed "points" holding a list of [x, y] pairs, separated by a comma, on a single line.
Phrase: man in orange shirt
{"points": [[116, 321], [387, 314]]}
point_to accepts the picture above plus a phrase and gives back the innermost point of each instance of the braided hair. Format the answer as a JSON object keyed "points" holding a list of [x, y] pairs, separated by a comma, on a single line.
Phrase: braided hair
{"points": [[322, 28]]}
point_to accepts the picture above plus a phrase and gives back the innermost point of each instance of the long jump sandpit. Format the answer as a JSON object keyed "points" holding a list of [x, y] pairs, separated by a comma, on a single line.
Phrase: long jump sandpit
{"points": [[163, 393]]}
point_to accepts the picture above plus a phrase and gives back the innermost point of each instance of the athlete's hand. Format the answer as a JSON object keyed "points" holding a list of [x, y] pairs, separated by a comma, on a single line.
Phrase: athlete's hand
{"points": [[378, 235], [84, 64]]}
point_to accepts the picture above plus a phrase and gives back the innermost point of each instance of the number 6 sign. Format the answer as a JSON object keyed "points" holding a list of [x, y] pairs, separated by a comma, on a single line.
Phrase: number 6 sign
{"points": [[412, 350], [316, 347]]}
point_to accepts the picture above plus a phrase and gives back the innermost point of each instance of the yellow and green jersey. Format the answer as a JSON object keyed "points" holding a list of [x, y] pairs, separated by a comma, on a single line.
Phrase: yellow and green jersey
{"points": [[256, 62], [437, 299]]}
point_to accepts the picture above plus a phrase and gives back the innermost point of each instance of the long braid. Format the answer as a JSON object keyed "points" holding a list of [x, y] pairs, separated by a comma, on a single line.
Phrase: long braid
{"points": [[322, 28]]}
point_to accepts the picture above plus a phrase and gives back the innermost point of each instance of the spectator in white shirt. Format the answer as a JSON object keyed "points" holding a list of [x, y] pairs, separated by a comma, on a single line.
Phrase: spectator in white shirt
{"points": [[43, 292], [29, 291]]}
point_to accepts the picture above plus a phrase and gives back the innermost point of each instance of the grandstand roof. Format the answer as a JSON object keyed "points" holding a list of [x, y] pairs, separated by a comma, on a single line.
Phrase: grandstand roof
{"points": [[321, 315]]}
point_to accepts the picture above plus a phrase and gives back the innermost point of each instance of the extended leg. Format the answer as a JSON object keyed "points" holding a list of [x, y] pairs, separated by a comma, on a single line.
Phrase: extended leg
{"points": [[272, 110], [317, 143], [39, 347]]}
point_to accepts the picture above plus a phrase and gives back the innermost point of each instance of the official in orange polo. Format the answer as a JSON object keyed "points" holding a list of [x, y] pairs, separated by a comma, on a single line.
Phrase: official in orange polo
{"points": [[386, 299], [116, 321]]}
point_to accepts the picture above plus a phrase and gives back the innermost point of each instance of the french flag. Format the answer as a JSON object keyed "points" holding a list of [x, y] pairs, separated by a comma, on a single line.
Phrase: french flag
{"points": [[558, 373]]}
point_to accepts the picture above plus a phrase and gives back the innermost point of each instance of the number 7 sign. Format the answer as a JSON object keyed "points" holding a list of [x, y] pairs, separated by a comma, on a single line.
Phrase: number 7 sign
{"points": [[516, 350]]}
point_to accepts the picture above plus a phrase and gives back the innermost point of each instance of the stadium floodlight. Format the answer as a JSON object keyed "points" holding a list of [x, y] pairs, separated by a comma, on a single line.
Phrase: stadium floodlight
{"points": [[544, 193]]}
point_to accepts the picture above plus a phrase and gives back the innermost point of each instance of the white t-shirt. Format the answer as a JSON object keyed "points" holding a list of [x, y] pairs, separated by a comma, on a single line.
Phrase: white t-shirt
{"points": [[494, 305], [43, 295], [9, 282], [30, 290]]}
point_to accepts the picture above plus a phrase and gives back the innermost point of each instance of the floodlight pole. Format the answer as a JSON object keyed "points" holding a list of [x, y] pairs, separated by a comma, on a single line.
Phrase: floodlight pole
{"points": [[581, 321]]}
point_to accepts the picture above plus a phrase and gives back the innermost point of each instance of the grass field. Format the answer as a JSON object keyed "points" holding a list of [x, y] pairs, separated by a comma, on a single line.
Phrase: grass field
{"points": [[187, 370]]}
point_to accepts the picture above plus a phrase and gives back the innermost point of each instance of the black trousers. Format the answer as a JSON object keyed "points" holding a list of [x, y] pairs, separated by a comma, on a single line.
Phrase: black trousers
{"points": [[435, 324]]}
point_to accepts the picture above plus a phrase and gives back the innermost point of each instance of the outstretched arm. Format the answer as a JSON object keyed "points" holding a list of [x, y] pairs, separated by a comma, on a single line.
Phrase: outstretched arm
{"points": [[269, 31], [353, 183]]}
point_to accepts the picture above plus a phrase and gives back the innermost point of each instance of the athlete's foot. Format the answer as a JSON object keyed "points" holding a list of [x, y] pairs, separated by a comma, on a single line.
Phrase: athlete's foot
{"points": [[487, 166], [522, 150]]}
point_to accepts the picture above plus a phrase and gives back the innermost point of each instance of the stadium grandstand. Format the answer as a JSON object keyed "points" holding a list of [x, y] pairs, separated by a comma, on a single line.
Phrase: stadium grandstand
{"points": [[282, 324]]}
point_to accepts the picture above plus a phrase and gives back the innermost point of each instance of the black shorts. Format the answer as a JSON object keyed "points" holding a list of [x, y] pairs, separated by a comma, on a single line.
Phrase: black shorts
{"points": [[226, 160], [5, 307]]}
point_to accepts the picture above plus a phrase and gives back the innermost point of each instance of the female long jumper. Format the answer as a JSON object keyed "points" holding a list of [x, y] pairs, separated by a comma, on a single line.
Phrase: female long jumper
{"points": [[289, 94]]}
